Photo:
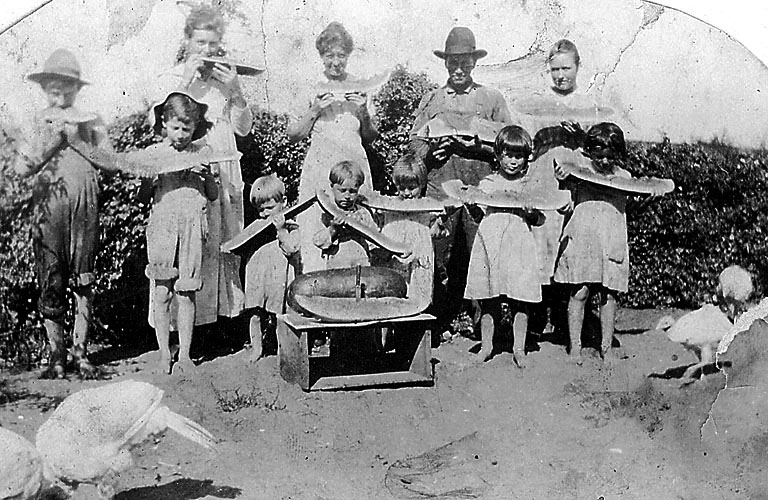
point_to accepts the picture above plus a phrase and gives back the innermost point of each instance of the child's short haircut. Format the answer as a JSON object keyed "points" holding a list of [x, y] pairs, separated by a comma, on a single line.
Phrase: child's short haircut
{"points": [[735, 282], [204, 18], [513, 139], [346, 170], [409, 169], [183, 108], [606, 135], [265, 188], [564, 46]]}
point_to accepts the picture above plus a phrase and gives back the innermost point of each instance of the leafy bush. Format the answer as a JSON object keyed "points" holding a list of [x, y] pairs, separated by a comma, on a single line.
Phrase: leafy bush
{"points": [[267, 150], [21, 338], [717, 216], [395, 104]]}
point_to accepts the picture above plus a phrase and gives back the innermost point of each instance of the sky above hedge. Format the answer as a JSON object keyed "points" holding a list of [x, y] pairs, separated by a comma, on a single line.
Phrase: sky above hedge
{"points": [[673, 74]]}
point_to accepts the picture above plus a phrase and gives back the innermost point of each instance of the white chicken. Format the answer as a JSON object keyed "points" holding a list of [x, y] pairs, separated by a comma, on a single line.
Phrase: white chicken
{"points": [[21, 468], [699, 331], [702, 330], [88, 438]]}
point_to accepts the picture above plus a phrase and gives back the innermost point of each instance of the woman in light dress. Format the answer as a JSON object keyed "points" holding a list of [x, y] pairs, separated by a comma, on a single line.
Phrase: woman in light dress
{"points": [[339, 123]]}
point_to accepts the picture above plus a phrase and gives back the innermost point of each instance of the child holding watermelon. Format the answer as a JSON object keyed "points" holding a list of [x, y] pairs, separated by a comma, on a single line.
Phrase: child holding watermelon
{"points": [[503, 266], [272, 266], [594, 252], [340, 246]]}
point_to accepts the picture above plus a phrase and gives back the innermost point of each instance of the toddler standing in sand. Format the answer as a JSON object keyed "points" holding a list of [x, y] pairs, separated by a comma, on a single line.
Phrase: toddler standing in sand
{"points": [[272, 266]]}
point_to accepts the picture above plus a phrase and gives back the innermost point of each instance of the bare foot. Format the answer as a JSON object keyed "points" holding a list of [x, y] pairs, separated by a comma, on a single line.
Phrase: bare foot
{"points": [[255, 355], [485, 354], [164, 365], [183, 366], [520, 358], [575, 357]]}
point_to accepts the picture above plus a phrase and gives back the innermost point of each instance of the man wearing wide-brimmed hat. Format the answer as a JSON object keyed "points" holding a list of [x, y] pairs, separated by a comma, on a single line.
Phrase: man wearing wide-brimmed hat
{"points": [[66, 200], [454, 158]]}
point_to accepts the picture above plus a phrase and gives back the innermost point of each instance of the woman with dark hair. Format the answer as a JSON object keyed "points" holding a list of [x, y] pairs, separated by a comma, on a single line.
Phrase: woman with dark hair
{"points": [[339, 123]]}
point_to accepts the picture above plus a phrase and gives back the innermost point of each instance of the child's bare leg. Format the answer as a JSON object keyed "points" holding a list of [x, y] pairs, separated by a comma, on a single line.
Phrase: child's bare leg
{"points": [[58, 361], [256, 338], [520, 331], [488, 321], [185, 319], [83, 299], [163, 296], [576, 306], [607, 319]]}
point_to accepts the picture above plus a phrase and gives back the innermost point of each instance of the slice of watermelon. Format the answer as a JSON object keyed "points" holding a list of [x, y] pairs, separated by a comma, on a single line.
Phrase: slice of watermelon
{"points": [[325, 199], [639, 185], [373, 199], [353, 85], [448, 124], [533, 196], [242, 69]]}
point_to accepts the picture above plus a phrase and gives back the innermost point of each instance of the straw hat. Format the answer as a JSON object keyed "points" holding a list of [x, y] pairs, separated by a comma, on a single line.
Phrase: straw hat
{"points": [[60, 64], [156, 116], [460, 40]]}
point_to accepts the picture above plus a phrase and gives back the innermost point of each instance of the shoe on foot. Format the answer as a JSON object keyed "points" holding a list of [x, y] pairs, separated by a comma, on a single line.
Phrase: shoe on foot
{"points": [[55, 371], [86, 369]]}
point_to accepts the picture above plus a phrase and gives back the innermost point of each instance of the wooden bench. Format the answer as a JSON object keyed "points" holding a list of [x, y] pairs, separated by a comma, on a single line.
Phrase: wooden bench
{"points": [[348, 364]]}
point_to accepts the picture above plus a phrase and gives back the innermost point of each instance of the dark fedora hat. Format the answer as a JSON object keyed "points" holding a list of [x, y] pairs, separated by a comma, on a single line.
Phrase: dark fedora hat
{"points": [[460, 40], [156, 116], [60, 64]]}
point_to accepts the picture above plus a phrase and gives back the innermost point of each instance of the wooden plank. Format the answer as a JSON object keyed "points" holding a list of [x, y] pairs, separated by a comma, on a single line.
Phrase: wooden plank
{"points": [[298, 321], [421, 364], [292, 354], [370, 380]]}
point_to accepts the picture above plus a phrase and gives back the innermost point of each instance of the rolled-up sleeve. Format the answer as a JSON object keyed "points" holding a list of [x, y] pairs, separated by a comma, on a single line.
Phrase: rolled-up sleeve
{"points": [[241, 119]]}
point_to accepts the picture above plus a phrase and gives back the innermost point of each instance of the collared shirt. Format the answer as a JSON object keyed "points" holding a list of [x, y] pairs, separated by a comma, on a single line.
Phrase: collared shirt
{"points": [[477, 100]]}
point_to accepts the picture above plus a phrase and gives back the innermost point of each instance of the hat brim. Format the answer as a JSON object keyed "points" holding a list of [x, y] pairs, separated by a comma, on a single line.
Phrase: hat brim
{"points": [[155, 118], [477, 53], [47, 75]]}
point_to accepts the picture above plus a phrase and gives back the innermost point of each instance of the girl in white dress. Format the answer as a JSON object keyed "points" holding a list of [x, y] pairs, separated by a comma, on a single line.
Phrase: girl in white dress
{"points": [[504, 266]]}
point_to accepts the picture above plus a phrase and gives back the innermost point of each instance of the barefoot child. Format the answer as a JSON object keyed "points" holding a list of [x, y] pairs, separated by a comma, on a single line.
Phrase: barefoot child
{"points": [[272, 266], [177, 225], [340, 246], [594, 253], [503, 266], [66, 199], [410, 178]]}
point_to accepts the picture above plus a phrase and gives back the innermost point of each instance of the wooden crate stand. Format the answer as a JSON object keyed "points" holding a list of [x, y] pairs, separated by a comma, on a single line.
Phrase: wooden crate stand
{"points": [[409, 363]]}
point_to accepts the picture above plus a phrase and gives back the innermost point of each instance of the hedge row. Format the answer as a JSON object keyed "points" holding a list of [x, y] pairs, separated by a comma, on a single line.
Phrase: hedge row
{"points": [[678, 243]]}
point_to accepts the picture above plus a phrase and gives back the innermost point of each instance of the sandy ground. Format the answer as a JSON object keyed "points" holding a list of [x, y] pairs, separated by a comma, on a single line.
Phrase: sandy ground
{"points": [[627, 429]]}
